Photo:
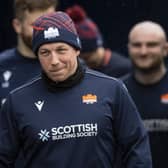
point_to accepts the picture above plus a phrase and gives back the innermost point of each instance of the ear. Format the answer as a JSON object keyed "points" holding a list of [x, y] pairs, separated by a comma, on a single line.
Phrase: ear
{"points": [[128, 46], [165, 52], [17, 25], [77, 53]]}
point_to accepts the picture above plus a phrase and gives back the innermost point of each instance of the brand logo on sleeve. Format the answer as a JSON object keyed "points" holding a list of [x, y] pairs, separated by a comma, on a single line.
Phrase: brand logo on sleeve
{"points": [[89, 99]]}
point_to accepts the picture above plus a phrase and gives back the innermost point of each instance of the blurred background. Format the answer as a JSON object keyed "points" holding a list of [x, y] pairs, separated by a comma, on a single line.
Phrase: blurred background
{"points": [[114, 18]]}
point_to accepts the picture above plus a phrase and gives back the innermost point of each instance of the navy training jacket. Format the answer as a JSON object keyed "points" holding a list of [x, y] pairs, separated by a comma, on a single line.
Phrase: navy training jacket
{"points": [[82, 126], [15, 70]]}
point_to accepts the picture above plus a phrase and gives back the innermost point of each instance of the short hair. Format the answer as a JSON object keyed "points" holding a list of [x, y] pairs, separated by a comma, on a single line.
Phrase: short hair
{"points": [[20, 6], [148, 26]]}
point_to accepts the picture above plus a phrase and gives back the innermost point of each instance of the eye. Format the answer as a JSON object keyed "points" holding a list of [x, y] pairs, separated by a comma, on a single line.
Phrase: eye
{"points": [[44, 53], [136, 45], [152, 44], [62, 50]]}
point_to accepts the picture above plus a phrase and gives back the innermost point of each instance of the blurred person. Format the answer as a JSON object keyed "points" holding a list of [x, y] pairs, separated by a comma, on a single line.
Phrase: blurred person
{"points": [[93, 51], [148, 84], [70, 116], [19, 64], [166, 58]]}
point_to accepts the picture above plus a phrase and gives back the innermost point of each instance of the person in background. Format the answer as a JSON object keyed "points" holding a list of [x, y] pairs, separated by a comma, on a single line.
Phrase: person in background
{"points": [[166, 59], [148, 84], [95, 55], [70, 116], [19, 64]]}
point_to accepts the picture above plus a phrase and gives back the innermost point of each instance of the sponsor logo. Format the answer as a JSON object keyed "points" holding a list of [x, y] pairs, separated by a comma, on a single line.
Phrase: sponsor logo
{"points": [[69, 131], [44, 135], [39, 105], [153, 125], [164, 98], [51, 33], [89, 99]]}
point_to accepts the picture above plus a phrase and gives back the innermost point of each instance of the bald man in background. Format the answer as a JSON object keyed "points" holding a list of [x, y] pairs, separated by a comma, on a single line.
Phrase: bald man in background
{"points": [[148, 84]]}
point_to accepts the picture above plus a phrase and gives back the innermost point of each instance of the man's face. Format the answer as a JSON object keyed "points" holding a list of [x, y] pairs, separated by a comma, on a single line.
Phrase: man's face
{"points": [[146, 50], [58, 60], [24, 27]]}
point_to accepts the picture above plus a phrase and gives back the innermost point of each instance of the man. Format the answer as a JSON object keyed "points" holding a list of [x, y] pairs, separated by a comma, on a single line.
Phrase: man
{"points": [[148, 84], [18, 65], [95, 55], [70, 116]]}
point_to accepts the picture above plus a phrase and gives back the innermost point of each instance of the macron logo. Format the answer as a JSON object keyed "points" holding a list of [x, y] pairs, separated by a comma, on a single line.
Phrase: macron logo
{"points": [[39, 105], [51, 33], [7, 75]]}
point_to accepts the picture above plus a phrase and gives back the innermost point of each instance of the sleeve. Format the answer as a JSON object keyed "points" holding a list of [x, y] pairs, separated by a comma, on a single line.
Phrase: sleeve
{"points": [[131, 135], [9, 141]]}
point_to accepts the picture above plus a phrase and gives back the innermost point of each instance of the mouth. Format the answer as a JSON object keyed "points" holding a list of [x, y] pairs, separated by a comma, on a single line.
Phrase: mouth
{"points": [[56, 72]]}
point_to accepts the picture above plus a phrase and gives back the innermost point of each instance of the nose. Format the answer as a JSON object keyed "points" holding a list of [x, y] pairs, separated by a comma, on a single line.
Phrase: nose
{"points": [[143, 50], [54, 59]]}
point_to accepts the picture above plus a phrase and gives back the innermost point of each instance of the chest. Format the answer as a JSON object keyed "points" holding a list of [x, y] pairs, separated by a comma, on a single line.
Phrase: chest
{"points": [[58, 117]]}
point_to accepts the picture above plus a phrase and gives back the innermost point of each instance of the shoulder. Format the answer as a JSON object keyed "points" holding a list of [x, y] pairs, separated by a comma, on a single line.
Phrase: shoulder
{"points": [[126, 77], [6, 56], [33, 83], [99, 75], [99, 78]]}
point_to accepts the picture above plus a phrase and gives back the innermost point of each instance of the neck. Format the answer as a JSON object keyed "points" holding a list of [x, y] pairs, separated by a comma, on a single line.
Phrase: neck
{"points": [[99, 61], [71, 81], [151, 77], [24, 50]]}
